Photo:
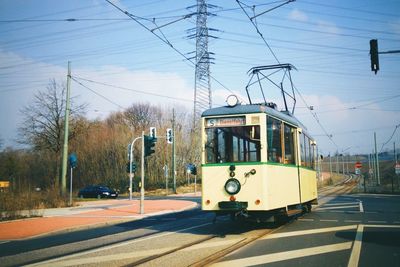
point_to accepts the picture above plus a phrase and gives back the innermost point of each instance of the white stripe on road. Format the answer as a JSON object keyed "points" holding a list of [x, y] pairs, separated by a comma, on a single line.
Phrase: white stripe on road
{"points": [[356, 251], [382, 226], [328, 220], [338, 207], [309, 232], [305, 220], [361, 206], [135, 254], [287, 255], [338, 203], [376, 221], [115, 245]]}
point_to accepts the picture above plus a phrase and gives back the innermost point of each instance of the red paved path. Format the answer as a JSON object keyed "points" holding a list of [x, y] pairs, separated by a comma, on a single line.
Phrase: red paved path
{"points": [[126, 210]]}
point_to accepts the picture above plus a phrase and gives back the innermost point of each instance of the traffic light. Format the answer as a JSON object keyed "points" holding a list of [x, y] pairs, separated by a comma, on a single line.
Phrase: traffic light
{"points": [[169, 136], [191, 168], [149, 143], [153, 132], [128, 169], [373, 51]]}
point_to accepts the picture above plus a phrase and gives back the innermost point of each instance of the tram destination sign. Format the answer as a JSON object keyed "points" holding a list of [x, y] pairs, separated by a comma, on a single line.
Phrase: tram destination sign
{"points": [[224, 122]]}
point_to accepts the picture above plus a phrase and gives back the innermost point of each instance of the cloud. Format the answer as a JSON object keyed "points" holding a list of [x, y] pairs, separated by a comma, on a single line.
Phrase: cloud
{"points": [[350, 127], [327, 26], [22, 78], [298, 15]]}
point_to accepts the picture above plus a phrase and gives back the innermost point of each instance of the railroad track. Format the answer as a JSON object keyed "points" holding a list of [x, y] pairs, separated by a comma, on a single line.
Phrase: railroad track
{"points": [[244, 239]]}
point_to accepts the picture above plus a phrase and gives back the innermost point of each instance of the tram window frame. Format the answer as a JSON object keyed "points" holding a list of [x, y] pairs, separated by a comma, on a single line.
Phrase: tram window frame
{"points": [[233, 144], [289, 144], [307, 151], [274, 140], [302, 149]]}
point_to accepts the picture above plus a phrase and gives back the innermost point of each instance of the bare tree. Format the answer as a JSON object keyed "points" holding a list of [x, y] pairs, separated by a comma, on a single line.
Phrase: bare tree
{"points": [[43, 124]]}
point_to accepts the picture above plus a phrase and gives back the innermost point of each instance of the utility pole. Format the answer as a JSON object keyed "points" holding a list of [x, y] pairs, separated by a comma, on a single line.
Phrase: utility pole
{"points": [[173, 150], [66, 124], [330, 165], [377, 162], [337, 162]]}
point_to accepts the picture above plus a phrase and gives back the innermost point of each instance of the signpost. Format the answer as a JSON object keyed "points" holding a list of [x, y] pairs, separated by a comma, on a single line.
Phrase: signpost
{"points": [[397, 168], [73, 161]]}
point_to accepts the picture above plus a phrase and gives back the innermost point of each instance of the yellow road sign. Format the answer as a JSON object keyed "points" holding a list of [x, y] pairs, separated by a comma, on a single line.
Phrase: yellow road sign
{"points": [[4, 184]]}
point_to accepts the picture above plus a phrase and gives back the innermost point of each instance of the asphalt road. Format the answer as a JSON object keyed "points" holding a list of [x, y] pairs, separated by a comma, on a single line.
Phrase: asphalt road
{"points": [[348, 230]]}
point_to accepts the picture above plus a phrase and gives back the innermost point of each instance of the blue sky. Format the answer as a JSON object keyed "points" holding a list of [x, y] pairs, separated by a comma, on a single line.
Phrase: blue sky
{"points": [[327, 41]]}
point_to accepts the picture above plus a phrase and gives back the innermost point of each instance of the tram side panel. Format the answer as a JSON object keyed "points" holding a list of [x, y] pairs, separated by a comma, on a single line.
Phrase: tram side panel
{"points": [[282, 186], [308, 184]]}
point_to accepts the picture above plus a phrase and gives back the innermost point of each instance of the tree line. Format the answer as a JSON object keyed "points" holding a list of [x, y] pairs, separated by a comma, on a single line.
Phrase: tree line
{"points": [[100, 144]]}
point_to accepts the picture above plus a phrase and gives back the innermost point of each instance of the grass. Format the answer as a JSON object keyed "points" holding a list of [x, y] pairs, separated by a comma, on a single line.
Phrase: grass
{"points": [[16, 205]]}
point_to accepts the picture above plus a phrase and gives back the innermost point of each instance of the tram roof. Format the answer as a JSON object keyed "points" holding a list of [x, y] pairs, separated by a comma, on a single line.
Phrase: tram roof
{"points": [[254, 108]]}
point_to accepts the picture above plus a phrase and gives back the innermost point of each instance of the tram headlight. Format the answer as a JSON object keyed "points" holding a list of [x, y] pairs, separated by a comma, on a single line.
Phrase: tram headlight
{"points": [[232, 186]]}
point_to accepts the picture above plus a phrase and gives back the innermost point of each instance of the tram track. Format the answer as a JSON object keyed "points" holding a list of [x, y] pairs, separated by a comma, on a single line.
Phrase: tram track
{"points": [[245, 238], [208, 246]]}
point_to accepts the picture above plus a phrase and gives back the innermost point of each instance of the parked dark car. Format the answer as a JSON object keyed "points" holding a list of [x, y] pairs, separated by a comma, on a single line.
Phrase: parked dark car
{"points": [[97, 191]]}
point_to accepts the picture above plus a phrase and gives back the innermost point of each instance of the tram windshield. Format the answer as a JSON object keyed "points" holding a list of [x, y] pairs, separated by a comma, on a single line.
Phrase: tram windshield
{"points": [[233, 144]]}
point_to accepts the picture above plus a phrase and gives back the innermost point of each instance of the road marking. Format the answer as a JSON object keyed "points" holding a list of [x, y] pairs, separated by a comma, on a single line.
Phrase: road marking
{"points": [[328, 220], [287, 255], [338, 203], [305, 220], [361, 206], [352, 221], [309, 232], [338, 207], [382, 226], [376, 221], [355, 252], [116, 245]]}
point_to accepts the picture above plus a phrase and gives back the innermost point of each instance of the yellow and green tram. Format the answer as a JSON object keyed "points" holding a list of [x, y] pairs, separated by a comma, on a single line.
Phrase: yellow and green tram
{"points": [[256, 162]]}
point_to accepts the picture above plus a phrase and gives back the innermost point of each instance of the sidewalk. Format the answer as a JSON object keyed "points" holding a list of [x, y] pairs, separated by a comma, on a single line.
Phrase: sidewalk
{"points": [[88, 214]]}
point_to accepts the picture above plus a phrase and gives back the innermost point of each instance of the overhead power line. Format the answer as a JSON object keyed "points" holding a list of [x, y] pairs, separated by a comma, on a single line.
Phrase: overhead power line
{"points": [[98, 94], [164, 40], [133, 90], [390, 138]]}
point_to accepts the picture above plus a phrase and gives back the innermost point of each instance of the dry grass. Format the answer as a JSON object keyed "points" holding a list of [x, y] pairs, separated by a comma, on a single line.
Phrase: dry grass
{"points": [[24, 204]]}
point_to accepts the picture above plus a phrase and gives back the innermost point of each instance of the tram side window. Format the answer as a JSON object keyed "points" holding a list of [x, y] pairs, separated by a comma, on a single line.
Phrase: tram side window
{"points": [[302, 150], [289, 145], [274, 141]]}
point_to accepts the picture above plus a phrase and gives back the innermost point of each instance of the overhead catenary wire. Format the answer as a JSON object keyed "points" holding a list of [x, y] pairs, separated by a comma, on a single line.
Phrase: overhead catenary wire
{"points": [[164, 40], [390, 138], [133, 90]]}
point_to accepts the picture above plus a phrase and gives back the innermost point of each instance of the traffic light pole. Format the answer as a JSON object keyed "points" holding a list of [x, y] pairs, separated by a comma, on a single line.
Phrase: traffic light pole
{"points": [[142, 178], [131, 174]]}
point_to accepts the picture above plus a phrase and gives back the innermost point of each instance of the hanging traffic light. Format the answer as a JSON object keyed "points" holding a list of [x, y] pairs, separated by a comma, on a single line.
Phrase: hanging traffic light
{"points": [[149, 143], [373, 51], [169, 136]]}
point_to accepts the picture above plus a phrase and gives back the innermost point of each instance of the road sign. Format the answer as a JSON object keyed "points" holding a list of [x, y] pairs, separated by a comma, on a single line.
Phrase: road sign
{"points": [[397, 168], [358, 165], [4, 184]]}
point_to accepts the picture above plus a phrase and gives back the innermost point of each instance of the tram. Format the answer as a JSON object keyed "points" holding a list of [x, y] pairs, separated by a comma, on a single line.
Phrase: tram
{"points": [[257, 162]]}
